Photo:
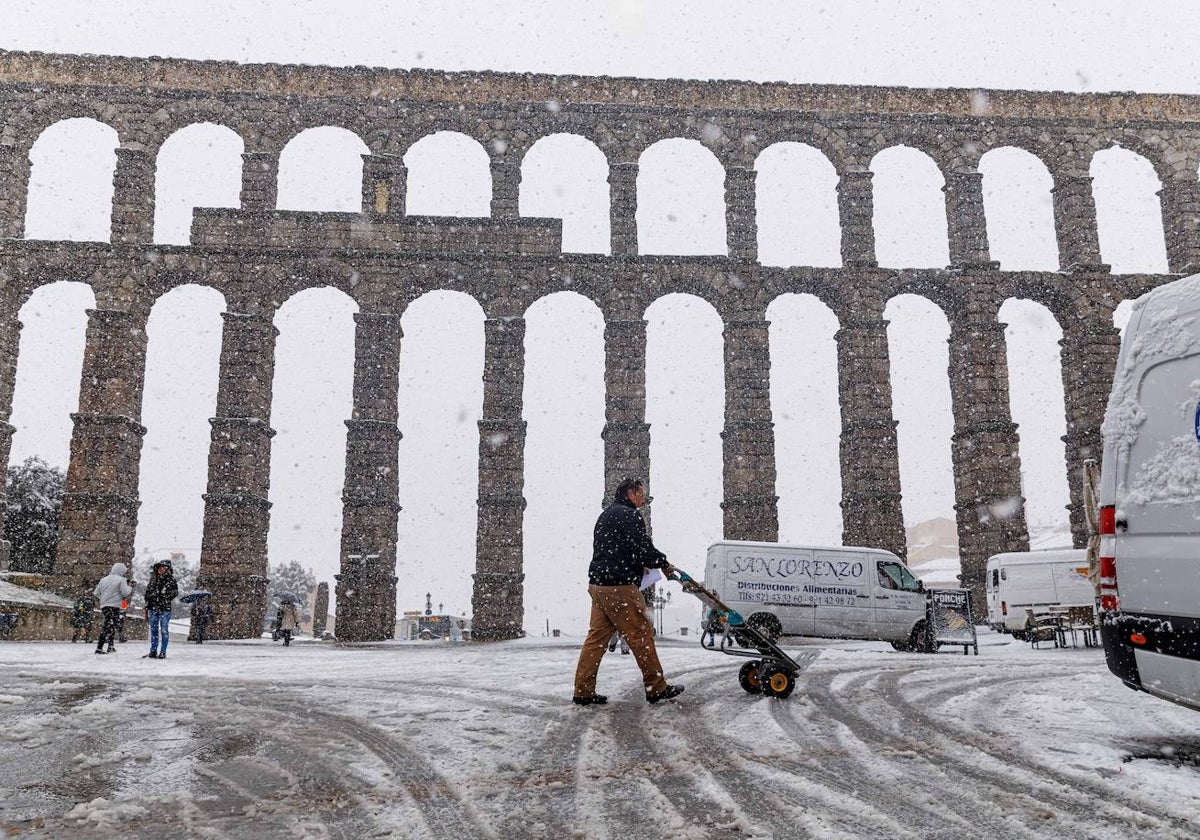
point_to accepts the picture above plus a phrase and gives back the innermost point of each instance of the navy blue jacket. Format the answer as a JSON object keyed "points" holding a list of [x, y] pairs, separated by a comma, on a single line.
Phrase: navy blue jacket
{"points": [[621, 547]]}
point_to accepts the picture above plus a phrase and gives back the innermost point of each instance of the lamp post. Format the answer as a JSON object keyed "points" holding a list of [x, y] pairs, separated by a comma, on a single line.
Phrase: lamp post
{"points": [[661, 599]]}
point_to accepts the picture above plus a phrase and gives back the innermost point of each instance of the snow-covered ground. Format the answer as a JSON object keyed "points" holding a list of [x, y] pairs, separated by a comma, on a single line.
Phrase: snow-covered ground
{"points": [[433, 740]]}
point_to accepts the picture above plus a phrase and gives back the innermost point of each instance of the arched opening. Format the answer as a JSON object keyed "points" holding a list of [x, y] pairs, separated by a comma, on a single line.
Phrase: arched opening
{"points": [[1019, 207], [1128, 213], [312, 396], [1121, 315], [449, 174], [1032, 339], [564, 456], [685, 407], [183, 335], [910, 210], [322, 169], [807, 416], [797, 207], [680, 199], [49, 364], [441, 402], [199, 165], [918, 350], [564, 176], [71, 182]]}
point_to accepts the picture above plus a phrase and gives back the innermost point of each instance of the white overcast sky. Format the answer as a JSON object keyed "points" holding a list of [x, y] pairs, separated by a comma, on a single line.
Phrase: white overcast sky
{"points": [[1079, 46]]}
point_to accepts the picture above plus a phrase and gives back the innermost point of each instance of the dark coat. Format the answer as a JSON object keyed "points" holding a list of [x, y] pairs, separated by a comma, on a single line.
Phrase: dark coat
{"points": [[161, 590], [81, 615], [621, 547]]}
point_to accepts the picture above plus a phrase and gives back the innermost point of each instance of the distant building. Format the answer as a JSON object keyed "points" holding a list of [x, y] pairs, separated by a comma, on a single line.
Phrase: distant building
{"points": [[417, 625]]}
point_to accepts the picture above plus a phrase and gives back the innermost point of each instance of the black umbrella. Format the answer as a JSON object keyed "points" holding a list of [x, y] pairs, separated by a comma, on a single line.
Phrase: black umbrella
{"points": [[195, 595], [286, 597]]}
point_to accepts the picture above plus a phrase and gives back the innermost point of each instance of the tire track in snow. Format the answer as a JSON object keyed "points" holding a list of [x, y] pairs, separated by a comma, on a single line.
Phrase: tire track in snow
{"points": [[1079, 795], [445, 812], [964, 814], [896, 730], [876, 708], [705, 784]]}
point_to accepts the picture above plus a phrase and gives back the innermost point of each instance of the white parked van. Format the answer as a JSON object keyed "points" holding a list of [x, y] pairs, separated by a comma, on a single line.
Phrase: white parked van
{"points": [[1021, 580], [835, 592], [1150, 499]]}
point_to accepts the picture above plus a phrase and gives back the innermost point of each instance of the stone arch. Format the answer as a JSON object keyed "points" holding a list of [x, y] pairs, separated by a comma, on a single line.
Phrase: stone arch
{"points": [[564, 410], [1129, 220], [831, 142], [577, 170], [779, 209], [1033, 339], [183, 333], [698, 200], [215, 182], [823, 286], [907, 189], [83, 171], [442, 347], [932, 145], [449, 174], [1019, 209], [321, 168], [807, 417], [685, 404], [921, 405], [1045, 289], [1131, 140], [48, 367], [1040, 145], [310, 402], [183, 112]]}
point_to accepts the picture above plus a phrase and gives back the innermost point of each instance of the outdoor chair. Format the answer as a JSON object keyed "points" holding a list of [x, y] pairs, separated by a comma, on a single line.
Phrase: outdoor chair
{"points": [[1043, 627], [1082, 620]]}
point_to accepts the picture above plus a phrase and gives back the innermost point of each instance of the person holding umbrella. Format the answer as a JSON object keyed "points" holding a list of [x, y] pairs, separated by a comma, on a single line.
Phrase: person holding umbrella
{"points": [[202, 613], [287, 620], [160, 592]]}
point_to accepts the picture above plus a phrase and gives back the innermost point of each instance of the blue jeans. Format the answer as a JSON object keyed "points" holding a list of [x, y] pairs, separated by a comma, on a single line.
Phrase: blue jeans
{"points": [[158, 628]]}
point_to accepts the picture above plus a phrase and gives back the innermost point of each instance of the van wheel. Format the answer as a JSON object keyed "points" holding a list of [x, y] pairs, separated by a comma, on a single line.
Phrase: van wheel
{"points": [[766, 624], [748, 677], [920, 641], [777, 681]]}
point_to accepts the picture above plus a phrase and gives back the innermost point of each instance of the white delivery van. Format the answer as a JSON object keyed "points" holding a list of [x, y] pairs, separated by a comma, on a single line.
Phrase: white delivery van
{"points": [[1150, 499], [835, 592], [1021, 580]]}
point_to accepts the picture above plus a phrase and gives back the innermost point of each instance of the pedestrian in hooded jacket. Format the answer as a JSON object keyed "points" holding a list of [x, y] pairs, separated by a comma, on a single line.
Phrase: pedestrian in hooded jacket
{"points": [[111, 591], [621, 554], [160, 593]]}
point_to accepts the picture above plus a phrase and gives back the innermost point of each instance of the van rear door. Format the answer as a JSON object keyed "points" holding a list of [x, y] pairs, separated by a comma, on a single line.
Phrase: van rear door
{"points": [[1158, 553]]}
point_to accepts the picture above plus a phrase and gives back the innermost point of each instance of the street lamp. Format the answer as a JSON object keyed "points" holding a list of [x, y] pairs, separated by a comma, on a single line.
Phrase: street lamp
{"points": [[661, 599]]}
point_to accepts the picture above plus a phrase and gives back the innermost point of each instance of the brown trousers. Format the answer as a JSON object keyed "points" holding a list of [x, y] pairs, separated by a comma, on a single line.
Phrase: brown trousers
{"points": [[621, 609]]}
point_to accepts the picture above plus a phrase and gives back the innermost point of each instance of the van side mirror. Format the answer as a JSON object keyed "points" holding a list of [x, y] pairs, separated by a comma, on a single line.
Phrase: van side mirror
{"points": [[920, 586]]}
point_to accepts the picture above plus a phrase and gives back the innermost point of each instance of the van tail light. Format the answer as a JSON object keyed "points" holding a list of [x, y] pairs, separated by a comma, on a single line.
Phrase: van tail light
{"points": [[1110, 597], [1004, 608], [1108, 521]]}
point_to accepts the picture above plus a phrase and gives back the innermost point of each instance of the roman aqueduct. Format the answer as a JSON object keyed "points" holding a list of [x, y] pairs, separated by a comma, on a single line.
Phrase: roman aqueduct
{"points": [[384, 259]]}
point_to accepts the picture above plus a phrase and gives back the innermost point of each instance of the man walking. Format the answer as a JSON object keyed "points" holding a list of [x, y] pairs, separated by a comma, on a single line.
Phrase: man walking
{"points": [[111, 591], [621, 552]]}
